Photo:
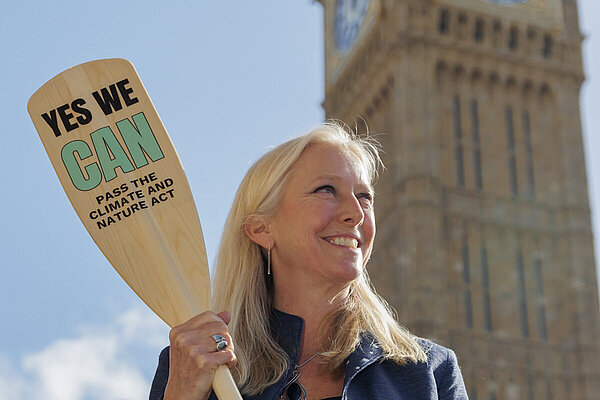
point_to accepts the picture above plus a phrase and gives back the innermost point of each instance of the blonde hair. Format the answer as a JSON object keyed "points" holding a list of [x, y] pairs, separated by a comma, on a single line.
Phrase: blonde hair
{"points": [[242, 287]]}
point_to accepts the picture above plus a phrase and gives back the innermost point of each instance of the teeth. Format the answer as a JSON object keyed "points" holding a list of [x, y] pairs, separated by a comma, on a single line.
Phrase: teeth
{"points": [[344, 241]]}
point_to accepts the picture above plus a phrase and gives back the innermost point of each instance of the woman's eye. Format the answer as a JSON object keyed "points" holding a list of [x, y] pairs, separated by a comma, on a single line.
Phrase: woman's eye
{"points": [[366, 197], [325, 189]]}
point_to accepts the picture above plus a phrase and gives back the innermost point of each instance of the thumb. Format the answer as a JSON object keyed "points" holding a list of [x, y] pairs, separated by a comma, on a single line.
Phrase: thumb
{"points": [[225, 316]]}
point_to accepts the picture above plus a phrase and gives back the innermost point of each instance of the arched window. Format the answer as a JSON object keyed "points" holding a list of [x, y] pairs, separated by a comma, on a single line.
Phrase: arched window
{"points": [[513, 38], [444, 22], [547, 46], [512, 158], [458, 146], [479, 31]]}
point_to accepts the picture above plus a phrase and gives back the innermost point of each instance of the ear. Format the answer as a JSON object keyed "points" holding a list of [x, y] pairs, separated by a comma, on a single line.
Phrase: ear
{"points": [[257, 230]]}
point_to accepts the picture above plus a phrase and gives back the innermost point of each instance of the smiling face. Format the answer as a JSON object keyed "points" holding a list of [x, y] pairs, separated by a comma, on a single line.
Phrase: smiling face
{"points": [[324, 227]]}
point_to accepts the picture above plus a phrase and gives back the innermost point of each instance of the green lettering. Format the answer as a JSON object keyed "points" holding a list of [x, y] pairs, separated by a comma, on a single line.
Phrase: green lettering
{"points": [[106, 144], [74, 169], [140, 140]]}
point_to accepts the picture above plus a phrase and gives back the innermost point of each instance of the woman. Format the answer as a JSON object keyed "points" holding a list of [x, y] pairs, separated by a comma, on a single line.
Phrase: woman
{"points": [[304, 322]]}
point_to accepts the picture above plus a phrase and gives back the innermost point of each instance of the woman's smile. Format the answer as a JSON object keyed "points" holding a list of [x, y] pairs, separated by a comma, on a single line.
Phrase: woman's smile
{"points": [[328, 198]]}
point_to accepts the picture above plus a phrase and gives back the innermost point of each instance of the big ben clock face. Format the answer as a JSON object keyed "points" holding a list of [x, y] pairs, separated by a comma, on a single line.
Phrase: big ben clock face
{"points": [[349, 27], [349, 16]]}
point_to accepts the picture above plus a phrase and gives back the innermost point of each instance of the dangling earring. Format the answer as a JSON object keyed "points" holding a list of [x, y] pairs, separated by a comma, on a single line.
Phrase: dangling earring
{"points": [[269, 260]]}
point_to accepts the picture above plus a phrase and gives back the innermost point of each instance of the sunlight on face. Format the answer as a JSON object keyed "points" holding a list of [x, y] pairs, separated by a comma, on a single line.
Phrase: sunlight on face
{"points": [[324, 228]]}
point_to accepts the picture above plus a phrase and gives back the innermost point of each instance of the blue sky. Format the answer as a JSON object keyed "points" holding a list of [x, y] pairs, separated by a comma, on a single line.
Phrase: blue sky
{"points": [[228, 79]]}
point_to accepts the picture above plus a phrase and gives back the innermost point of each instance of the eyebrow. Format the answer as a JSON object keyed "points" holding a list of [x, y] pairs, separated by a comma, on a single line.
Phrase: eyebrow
{"points": [[337, 178], [331, 177]]}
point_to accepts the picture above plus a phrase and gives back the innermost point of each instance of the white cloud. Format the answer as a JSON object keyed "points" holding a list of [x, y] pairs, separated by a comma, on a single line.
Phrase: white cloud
{"points": [[100, 363], [12, 386], [142, 327]]}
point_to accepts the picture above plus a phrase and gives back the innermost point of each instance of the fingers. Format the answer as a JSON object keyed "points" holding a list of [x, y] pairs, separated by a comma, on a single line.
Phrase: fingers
{"points": [[194, 356], [225, 316], [213, 360], [201, 339], [202, 319], [199, 331]]}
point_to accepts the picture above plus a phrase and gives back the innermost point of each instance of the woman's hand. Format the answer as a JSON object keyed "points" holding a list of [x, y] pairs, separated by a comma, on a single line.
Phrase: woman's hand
{"points": [[194, 356]]}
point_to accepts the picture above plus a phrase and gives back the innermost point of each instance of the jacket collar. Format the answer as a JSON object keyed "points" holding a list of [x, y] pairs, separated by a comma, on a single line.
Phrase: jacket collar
{"points": [[367, 353], [287, 330]]}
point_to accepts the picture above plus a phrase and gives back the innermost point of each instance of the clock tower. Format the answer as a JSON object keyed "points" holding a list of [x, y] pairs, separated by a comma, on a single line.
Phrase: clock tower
{"points": [[484, 240]]}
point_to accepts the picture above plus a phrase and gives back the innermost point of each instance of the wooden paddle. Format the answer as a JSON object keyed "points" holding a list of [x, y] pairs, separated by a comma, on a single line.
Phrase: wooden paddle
{"points": [[124, 179]]}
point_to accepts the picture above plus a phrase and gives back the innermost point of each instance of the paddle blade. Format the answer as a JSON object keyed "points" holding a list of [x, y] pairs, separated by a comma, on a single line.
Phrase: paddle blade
{"points": [[124, 179]]}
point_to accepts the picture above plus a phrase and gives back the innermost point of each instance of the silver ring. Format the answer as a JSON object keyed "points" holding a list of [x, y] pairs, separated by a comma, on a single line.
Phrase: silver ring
{"points": [[217, 338], [221, 343]]}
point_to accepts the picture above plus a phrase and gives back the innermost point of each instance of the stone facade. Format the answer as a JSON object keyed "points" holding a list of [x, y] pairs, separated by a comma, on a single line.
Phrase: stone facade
{"points": [[484, 239]]}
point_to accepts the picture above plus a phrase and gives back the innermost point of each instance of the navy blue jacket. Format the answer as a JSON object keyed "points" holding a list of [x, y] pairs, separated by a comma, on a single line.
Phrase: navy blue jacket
{"points": [[368, 376]]}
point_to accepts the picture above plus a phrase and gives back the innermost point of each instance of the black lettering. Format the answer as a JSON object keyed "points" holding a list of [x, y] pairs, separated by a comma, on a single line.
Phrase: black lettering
{"points": [[144, 179], [157, 187], [66, 117], [52, 121], [125, 93], [117, 191], [86, 116], [163, 196], [110, 207], [133, 195], [108, 101], [151, 177]]}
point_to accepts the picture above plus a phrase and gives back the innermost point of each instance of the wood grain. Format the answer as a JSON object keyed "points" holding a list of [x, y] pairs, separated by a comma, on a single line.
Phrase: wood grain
{"points": [[124, 179]]}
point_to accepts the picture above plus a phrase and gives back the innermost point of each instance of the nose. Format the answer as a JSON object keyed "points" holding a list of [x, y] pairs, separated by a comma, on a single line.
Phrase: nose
{"points": [[352, 212]]}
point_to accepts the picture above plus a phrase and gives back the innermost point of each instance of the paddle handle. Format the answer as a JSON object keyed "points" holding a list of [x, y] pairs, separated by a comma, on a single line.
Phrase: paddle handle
{"points": [[224, 385]]}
